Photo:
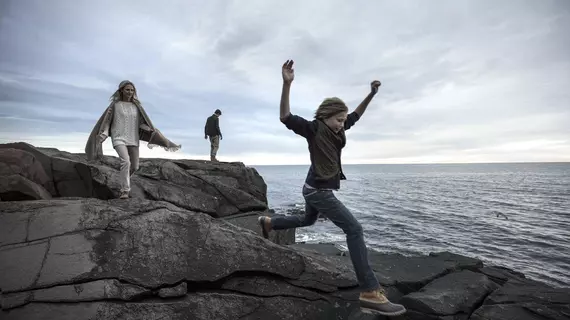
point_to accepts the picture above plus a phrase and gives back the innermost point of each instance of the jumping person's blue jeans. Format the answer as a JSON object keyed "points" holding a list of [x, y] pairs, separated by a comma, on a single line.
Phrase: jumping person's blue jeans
{"points": [[325, 202]]}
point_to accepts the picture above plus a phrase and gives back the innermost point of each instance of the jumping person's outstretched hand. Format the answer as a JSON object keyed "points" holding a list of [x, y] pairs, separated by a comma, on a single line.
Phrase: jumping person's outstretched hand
{"points": [[374, 85], [102, 137], [288, 72]]}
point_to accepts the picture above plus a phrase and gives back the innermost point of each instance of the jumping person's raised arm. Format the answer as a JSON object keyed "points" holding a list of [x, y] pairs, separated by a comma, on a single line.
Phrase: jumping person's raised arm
{"points": [[359, 111], [288, 75], [364, 104], [297, 124]]}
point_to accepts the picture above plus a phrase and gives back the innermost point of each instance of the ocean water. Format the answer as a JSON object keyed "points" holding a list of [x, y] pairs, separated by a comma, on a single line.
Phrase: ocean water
{"points": [[513, 215]]}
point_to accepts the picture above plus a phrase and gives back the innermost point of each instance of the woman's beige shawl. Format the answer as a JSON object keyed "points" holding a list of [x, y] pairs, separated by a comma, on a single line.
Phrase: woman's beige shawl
{"points": [[147, 132]]}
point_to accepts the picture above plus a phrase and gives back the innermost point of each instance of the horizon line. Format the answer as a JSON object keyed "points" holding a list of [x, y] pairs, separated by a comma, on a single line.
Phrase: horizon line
{"points": [[423, 163], [308, 164]]}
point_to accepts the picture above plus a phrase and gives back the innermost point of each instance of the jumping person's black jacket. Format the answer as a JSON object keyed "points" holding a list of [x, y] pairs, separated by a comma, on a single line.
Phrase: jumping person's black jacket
{"points": [[324, 147], [212, 127]]}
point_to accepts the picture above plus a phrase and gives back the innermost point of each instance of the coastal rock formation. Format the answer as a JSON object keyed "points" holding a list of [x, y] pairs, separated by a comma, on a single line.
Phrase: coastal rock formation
{"points": [[217, 189], [221, 190], [447, 286], [144, 259], [187, 246]]}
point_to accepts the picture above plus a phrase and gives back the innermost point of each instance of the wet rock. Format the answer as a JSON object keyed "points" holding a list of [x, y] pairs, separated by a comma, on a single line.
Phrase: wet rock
{"points": [[501, 274], [456, 261], [525, 300], [456, 294]]}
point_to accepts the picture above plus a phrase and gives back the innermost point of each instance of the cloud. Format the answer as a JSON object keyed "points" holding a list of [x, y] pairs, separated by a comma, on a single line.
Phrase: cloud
{"points": [[462, 81]]}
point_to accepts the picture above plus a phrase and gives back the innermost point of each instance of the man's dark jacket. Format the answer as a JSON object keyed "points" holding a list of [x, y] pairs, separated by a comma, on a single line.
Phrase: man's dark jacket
{"points": [[212, 127]]}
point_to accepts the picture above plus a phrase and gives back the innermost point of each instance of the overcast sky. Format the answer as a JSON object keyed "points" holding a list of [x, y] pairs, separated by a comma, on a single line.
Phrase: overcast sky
{"points": [[462, 81]]}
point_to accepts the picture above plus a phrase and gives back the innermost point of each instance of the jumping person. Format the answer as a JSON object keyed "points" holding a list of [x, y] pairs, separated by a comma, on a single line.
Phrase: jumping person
{"points": [[326, 137], [127, 122], [212, 129]]}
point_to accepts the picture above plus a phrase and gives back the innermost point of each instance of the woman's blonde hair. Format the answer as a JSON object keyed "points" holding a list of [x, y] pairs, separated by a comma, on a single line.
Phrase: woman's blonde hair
{"points": [[118, 95], [330, 107]]}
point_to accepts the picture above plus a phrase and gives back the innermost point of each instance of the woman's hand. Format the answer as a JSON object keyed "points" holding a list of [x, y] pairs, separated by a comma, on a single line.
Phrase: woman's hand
{"points": [[374, 86], [102, 137], [288, 72]]}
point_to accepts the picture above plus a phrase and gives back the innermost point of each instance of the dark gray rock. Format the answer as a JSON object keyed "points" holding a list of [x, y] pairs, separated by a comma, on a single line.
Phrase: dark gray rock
{"points": [[88, 291], [248, 180], [218, 189], [16, 188], [456, 294], [141, 251], [408, 274], [456, 261], [525, 311], [436, 284], [335, 256], [206, 305], [399, 274], [501, 274], [271, 287], [522, 298], [411, 273], [513, 292], [329, 249], [172, 292], [27, 161]]}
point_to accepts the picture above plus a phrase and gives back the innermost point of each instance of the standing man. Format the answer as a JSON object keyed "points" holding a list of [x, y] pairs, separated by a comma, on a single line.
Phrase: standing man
{"points": [[212, 129]]}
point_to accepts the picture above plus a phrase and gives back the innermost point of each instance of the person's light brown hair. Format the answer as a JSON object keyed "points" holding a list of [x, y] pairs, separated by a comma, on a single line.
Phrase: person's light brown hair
{"points": [[330, 107]]}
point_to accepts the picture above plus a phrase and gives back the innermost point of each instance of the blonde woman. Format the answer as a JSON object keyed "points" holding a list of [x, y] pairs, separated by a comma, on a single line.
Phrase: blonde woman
{"points": [[126, 121], [326, 137]]}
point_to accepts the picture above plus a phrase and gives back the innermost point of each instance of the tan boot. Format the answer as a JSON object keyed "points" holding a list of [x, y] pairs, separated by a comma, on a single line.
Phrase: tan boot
{"points": [[265, 224], [124, 195], [376, 302]]}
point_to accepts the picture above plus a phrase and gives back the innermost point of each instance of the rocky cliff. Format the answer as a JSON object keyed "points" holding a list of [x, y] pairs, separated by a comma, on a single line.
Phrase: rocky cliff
{"points": [[186, 246], [229, 191]]}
